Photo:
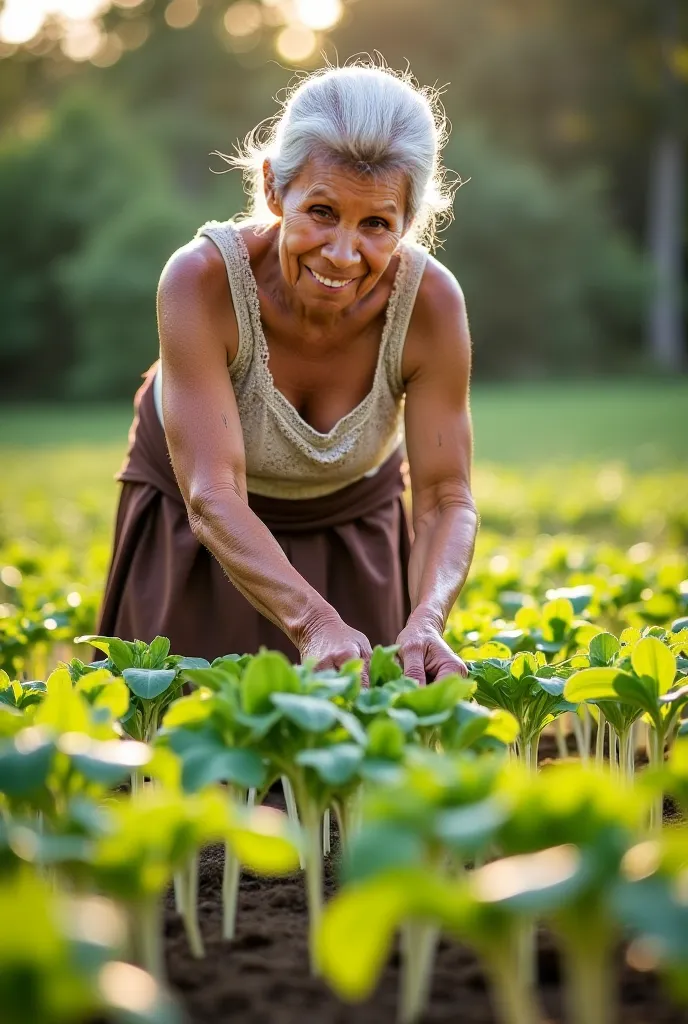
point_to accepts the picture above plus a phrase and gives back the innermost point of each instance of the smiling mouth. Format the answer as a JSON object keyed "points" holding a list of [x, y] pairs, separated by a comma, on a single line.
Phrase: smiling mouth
{"points": [[329, 282]]}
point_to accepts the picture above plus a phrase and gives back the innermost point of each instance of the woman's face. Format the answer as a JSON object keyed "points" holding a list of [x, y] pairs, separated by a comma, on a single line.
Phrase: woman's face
{"points": [[338, 231]]}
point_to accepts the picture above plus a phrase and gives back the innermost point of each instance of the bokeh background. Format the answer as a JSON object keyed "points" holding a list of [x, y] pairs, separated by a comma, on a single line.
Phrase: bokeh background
{"points": [[569, 123], [569, 119]]}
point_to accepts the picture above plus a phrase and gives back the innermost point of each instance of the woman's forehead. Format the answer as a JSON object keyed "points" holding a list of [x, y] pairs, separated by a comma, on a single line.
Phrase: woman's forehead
{"points": [[329, 180]]}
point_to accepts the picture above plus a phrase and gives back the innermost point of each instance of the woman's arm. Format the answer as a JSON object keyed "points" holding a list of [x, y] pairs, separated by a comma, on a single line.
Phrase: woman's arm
{"points": [[197, 330], [436, 368]]}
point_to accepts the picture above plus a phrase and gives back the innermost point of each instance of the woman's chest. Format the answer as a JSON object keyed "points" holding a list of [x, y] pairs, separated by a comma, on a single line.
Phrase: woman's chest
{"points": [[324, 380]]}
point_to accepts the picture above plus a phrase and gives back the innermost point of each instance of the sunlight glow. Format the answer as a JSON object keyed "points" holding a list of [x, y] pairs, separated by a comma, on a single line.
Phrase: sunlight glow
{"points": [[319, 14], [21, 20], [296, 42], [243, 18], [82, 40], [19, 23], [182, 13]]}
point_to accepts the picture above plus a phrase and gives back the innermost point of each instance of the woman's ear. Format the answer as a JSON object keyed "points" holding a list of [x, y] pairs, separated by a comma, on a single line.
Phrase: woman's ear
{"points": [[271, 196]]}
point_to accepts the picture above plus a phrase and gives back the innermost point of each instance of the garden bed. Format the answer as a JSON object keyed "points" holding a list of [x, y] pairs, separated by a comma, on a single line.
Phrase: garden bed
{"points": [[263, 978]]}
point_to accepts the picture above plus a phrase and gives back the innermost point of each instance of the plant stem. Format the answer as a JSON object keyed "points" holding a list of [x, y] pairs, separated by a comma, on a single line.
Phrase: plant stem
{"points": [[314, 881], [587, 731], [146, 938], [230, 893], [613, 763], [526, 948], [292, 811], [179, 891], [326, 833], [623, 753], [656, 749], [531, 752], [514, 998], [190, 912], [599, 743], [562, 749], [589, 982], [580, 738], [419, 941]]}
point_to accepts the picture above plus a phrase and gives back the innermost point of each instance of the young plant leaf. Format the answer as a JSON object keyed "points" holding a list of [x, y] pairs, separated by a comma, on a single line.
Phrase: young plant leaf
{"points": [[335, 765], [603, 649], [206, 763], [158, 650], [650, 657], [267, 675], [148, 683], [593, 684], [263, 842], [313, 714], [384, 666]]}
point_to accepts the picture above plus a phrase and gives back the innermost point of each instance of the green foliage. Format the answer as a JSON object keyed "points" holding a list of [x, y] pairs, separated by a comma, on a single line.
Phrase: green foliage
{"points": [[104, 174], [59, 960], [149, 671], [91, 219], [562, 840], [566, 281]]}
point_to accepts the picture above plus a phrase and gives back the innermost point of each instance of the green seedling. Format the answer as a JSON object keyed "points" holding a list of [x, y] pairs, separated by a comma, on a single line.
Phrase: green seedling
{"points": [[553, 631], [151, 674], [649, 901], [60, 961], [73, 750], [526, 688], [392, 882], [597, 814], [435, 812], [154, 834], [474, 727], [360, 922], [637, 683]]}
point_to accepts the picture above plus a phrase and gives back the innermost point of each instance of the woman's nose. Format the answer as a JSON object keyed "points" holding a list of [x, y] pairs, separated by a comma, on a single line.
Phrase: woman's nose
{"points": [[342, 250]]}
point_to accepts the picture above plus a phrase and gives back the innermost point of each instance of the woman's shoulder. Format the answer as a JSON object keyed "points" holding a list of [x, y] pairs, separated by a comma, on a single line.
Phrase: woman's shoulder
{"points": [[438, 327], [193, 288], [439, 294], [256, 235], [199, 263]]}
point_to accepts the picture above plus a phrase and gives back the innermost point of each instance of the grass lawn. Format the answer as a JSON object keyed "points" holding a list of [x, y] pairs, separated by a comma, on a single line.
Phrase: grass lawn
{"points": [[640, 423]]}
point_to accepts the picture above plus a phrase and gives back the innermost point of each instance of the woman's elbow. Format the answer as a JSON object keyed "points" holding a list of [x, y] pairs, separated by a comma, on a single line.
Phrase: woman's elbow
{"points": [[205, 505]]}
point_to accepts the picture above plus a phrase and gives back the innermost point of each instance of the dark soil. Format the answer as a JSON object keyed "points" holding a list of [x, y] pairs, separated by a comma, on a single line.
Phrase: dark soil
{"points": [[263, 978]]}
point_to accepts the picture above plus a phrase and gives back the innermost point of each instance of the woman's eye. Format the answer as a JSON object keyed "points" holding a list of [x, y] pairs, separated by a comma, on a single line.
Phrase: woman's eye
{"points": [[377, 222], [321, 211]]}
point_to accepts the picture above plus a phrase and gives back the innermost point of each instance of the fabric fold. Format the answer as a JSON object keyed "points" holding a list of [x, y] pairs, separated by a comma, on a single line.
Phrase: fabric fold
{"points": [[352, 546]]}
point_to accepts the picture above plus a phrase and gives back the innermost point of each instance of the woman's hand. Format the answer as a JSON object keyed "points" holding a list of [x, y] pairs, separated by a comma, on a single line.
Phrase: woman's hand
{"points": [[425, 655], [332, 643]]}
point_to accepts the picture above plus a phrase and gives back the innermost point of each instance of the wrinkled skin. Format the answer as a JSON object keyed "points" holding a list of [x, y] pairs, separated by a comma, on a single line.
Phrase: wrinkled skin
{"points": [[341, 225]]}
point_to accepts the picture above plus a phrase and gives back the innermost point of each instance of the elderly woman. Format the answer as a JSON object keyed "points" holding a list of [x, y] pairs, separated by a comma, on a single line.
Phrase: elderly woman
{"points": [[295, 345]]}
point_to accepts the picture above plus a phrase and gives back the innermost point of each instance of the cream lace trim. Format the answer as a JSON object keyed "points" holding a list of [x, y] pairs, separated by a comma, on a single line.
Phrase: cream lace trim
{"points": [[252, 341]]}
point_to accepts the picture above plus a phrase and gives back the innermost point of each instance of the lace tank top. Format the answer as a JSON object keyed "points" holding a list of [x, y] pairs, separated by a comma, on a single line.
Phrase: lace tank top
{"points": [[285, 456]]}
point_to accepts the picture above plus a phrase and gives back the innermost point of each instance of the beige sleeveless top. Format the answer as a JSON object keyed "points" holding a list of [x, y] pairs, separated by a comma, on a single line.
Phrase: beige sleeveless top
{"points": [[285, 456]]}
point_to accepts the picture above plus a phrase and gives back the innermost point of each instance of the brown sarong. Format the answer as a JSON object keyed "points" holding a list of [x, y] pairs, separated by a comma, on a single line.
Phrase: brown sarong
{"points": [[351, 546]]}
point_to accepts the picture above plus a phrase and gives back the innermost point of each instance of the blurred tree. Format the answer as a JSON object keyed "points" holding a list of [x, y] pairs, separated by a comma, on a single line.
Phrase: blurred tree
{"points": [[68, 197], [564, 87], [571, 83], [549, 284]]}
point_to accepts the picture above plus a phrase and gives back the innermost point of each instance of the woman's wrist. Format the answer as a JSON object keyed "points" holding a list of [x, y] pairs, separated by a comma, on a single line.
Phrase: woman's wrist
{"points": [[312, 618], [429, 616]]}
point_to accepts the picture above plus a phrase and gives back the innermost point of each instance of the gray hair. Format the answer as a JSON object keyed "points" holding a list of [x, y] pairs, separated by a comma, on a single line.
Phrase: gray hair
{"points": [[363, 116]]}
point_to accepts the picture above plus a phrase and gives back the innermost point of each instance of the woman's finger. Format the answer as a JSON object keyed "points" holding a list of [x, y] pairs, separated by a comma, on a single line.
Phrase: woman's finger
{"points": [[443, 662], [413, 662]]}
